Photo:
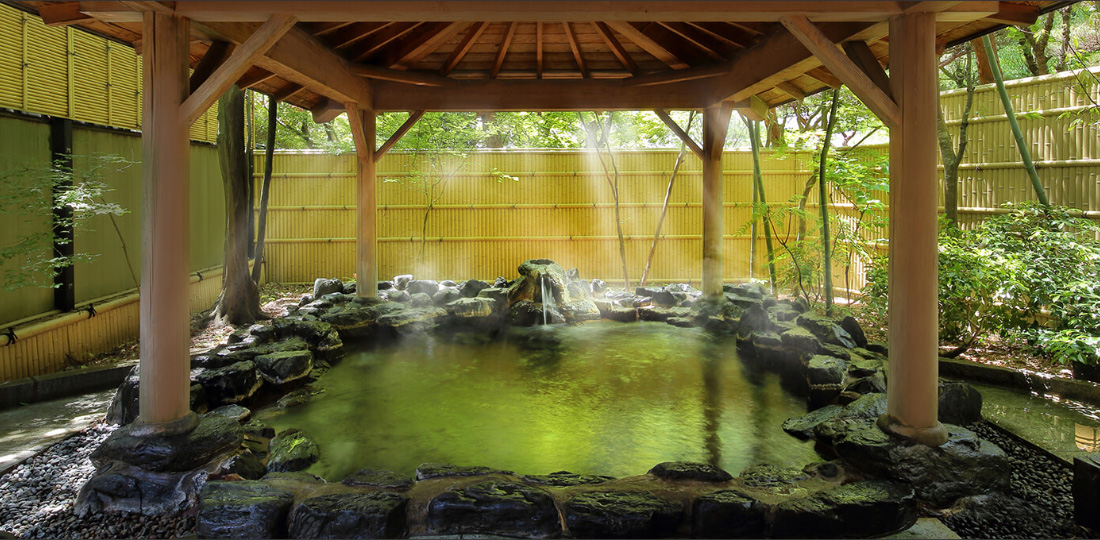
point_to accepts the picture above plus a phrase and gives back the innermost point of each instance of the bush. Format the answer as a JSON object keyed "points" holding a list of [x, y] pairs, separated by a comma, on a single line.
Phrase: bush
{"points": [[1011, 273]]}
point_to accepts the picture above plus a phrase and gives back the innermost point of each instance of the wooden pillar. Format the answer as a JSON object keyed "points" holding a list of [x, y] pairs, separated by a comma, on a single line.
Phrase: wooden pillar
{"points": [[715, 123], [363, 129], [165, 300], [912, 391]]}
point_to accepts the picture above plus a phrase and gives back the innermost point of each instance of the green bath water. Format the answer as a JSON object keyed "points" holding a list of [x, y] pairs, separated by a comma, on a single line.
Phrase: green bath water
{"points": [[599, 398]]}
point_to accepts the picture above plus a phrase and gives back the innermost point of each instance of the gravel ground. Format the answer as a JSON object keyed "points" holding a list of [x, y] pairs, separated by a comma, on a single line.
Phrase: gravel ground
{"points": [[1038, 504], [36, 498]]}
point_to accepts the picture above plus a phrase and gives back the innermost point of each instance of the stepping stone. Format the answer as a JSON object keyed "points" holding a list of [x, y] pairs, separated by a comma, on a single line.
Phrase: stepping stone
{"points": [[495, 508], [621, 514], [685, 470], [859, 509], [350, 515], [728, 514], [242, 509]]}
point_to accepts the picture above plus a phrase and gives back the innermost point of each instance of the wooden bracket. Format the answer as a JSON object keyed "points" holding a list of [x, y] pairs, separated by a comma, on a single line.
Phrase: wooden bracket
{"points": [[789, 88], [327, 110], [213, 59], [753, 108], [401, 131], [861, 55], [683, 135], [363, 147]]}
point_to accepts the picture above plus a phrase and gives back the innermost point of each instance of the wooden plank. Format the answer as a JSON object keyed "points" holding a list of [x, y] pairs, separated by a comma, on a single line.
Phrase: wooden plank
{"points": [[538, 49], [576, 49], [616, 48], [408, 77], [714, 48], [62, 13], [860, 54], [414, 46], [502, 51], [397, 135], [215, 56], [286, 92], [300, 58], [676, 129], [792, 90], [845, 70], [377, 40], [647, 44], [464, 47], [238, 62]]}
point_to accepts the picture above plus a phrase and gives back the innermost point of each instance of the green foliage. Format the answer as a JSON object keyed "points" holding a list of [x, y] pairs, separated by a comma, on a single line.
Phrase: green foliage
{"points": [[36, 191], [1015, 271]]}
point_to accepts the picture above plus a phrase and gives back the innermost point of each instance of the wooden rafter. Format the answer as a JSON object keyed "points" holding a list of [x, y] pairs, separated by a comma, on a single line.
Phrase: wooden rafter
{"points": [[670, 77], [464, 47], [616, 48], [789, 88], [824, 76], [418, 78], [254, 76], [397, 135], [376, 41], [851, 75], [647, 44], [727, 32], [715, 49], [679, 132], [236, 65], [350, 35], [538, 50], [286, 92], [215, 56], [576, 49], [419, 44], [319, 29], [502, 51]]}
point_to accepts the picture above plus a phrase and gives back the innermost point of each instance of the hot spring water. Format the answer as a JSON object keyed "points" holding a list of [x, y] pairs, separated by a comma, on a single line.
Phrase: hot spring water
{"points": [[601, 398]]}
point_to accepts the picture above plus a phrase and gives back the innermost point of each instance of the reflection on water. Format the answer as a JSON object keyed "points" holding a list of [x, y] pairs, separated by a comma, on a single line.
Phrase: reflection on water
{"points": [[1064, 428], [600, 398]]}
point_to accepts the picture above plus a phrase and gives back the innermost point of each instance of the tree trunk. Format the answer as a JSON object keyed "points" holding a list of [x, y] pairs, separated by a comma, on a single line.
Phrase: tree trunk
{"points": [[265, 191], [239, 302], [1025, 154], [758, 184], [664, 207], [953, 158], [1060, 64], [823, 203]]}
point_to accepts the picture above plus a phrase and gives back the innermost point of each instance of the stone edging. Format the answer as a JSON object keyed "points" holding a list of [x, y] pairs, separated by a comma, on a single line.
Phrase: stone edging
{"points": [[1085, 391], [62, 384]]}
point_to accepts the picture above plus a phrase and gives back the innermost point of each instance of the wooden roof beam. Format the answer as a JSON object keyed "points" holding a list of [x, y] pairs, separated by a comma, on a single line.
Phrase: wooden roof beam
{"points": [[1015, 14], [418, 78], [538, 50], [253, 77], [62, 13], [851, 75], [679, 132], [397, 135], [573, 46], [502, 51], [413, 47], [753, 108], [714, 48], [300, 58], [647, 44], [377, 40], [513, 10], [236, 65], [286, 92], [327, 110], [215, 56], [616, 48], [463, 47], [350, 35], [860, 54], [824, 76], [789, 88]]}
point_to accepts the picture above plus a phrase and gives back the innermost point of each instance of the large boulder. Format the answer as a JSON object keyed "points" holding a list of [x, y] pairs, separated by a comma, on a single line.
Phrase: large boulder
{"points": [[494, 508], [528, 313], [243, 509], [174, 452], [728, 514], [579, 311], [292, 450], [825, 329], [422, 286], [471, 287], [283, 367], [536, 276], [323, 286], [800, 342], [686, 470], [959, 403], [803, 426], [124, 405], [410, 321], [858, 509], [621, 514], [230, 384], [753, 320], [850, 325], [350, 515]]}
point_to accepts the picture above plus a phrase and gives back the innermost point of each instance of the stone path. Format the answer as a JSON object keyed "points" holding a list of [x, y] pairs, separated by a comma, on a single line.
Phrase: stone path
{"points": [[28, 429]]}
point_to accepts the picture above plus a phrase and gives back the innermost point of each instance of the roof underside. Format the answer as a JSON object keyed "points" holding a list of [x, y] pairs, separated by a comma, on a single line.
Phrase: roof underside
{"points": [[508, 55]]}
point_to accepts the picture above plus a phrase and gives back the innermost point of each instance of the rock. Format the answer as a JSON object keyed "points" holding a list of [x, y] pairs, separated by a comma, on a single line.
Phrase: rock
{"points": [[878, 347], [959, 403], [661, 314], [535, 276], [825, 329], [257, 430], [784, 313], [728, 514], [378, 479], [743, 302], [402, 281], [385, 285], [425, 286], [494, 508], [1086, 490], [686, 470], [410, 321], [350, 515], [501, 283], [598, 286], [245, 464], [965, 465], [770, 477], [427, 471], [210, 438], [681, 322], [499, 295], [753, 320], [236, 412], [120, 487], [349, 288], [196, 400], [646, 291], [420, 300], [396, 295], [825, 370], [615, 312], [565, 479], [858, 509], [580, 311], [262, 332], [850, 325], [472, 308], [322, 286], [231, 384], [445, 296], [874, 384], [800, 342], [284, 367], [244, 509], [836, 351], [865, 367], [621, 514], [292, 450], [666, 298], [472, 287], [769, 346], [355, 320], [528, 313], [803, 426], [752, 289], [124, 405], [448, 283]]}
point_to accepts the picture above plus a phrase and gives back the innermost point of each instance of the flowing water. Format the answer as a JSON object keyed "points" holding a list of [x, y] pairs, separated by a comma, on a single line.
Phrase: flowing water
{"points": [[599, 398]]}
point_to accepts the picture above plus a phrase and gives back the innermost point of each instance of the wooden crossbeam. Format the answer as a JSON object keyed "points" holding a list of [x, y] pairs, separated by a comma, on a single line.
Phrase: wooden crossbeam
{"points": [[253, 77], [464, 47], [857, 81], [236, 65], [538, 50], [648, 45], [861, 55], [753, 108], [576, 49], [286, 92], [418, 78], [616, 48], [377, 40], [789, 88], [680, 75], [503, 50], [327, 110], [397, 135], [824, 76], [215, 56], [676, 129], [1015, 14]]}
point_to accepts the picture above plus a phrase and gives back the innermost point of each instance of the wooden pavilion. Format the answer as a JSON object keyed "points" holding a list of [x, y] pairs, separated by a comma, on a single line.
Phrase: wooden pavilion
{"points": [[366, 57]]}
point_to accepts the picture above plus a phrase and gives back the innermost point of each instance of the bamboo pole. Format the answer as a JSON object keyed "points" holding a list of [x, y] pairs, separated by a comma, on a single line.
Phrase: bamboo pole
{"points": [[823, 196], [758, 185]]}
